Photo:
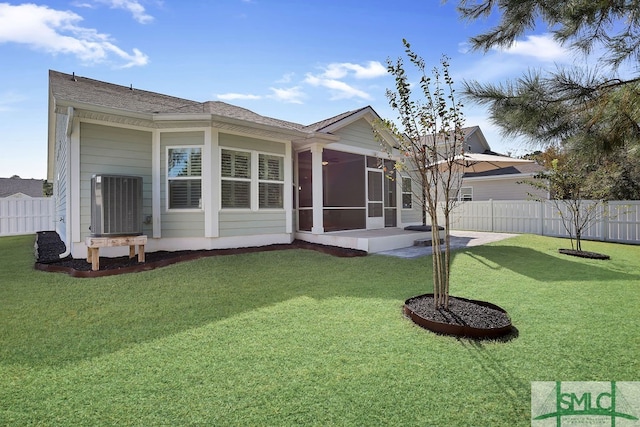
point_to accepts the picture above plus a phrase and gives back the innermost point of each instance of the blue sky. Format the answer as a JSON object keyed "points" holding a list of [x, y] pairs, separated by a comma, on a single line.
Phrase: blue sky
{"points": [[301, 61]]}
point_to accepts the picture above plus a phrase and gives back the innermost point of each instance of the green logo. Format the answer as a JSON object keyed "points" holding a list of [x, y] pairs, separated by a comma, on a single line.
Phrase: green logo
{"points": [[569, 403]]}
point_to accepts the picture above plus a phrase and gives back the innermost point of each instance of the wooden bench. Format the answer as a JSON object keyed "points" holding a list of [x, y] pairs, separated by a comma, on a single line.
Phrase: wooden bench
{"points": [[95, 243]]}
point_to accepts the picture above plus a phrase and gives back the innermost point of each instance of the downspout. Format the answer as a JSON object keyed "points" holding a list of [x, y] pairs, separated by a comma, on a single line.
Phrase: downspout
{"points": [[68, 130]]}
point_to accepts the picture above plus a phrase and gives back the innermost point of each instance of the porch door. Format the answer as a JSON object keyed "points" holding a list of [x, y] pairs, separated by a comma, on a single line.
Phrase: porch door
{"points": [[375, 200]]}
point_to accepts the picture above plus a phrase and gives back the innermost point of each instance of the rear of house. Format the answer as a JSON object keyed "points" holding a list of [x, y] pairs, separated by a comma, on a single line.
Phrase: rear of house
{"points": [[215, 175]]}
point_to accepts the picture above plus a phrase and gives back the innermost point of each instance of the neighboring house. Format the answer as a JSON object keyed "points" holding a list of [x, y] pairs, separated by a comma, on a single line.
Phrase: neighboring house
{"points": [[508, 183], [498, 184], [17, 187], [216, 175]]}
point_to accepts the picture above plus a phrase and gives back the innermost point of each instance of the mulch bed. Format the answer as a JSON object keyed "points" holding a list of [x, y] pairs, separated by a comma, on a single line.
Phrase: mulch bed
{"points": [[461, 312], [583, 254], [49, 246]]}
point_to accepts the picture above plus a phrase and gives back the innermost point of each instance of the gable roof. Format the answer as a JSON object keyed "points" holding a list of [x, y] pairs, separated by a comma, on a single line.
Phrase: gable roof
{"points": [[340, 120], [16, 185], [467, 132]]}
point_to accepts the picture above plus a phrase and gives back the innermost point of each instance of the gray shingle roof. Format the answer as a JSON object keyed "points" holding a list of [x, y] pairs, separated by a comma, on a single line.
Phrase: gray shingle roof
{"points": [[318, 126], [74, 88], [29, 187], [77, 89]]}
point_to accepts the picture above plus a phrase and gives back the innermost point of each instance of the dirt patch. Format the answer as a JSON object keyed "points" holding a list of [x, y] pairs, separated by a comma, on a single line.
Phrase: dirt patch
{"points": [[49, 246]]}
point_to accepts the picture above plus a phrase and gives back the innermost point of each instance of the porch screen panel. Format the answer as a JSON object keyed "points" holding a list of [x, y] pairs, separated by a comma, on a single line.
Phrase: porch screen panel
{"points": [[343, 179], [344, 219], [305, 194], [344, 191]]}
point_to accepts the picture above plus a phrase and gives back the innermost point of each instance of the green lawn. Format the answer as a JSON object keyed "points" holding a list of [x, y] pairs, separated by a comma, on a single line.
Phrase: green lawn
{"points": [[302, 338]]}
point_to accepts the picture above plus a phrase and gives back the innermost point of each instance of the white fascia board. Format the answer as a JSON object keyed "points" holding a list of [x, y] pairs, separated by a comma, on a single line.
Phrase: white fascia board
{"points": [[104, 110], [499, 177], [230, 120], [367, 112]]}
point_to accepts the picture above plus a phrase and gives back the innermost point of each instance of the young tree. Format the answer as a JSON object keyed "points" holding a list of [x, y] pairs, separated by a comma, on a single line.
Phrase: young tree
{"points": [[430, 137], [577, 203]]}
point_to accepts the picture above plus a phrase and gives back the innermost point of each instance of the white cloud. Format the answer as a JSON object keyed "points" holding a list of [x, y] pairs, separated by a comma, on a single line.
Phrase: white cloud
{"points": [[234, 96], [293, 95], [543, 48], [371, 70], [333, 77], [56, 32], [133, 6], [286, 78], [339, 89]]}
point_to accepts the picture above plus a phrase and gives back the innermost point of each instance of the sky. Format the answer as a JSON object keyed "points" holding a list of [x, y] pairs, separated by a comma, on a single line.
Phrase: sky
{"points": [[301, 61]]}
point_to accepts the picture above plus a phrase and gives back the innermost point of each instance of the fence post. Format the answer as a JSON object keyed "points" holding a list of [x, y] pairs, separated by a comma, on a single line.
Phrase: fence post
{"points": [[491, 213], [604, 217], [541, 217]]}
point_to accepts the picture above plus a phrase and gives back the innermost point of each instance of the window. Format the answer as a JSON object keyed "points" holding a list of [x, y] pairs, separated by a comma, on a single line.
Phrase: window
{"points": [[270, 181], [466, 194], [239, 174], [184, 176], [236, 179], [407, 194]]}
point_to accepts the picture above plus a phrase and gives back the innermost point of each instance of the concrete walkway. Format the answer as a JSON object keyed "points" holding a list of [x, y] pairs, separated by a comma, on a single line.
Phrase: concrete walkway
{"points": [[459, 239]]}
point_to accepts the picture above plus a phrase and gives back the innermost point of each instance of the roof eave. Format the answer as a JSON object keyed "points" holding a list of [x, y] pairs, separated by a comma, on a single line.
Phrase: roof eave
{"points": [[503, 176]]}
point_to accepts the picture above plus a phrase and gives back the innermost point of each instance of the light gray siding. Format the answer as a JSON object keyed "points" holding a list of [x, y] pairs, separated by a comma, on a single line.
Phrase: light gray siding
{"points": [[251, 223], [254, 144], [474, 145], [113, 150], [181, 223], [499, 189], [359, 134]]}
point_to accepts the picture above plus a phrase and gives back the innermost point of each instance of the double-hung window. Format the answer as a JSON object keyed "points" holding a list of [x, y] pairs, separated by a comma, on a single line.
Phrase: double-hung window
{"points": [[466, 194], [236, 179], [407, 194], [270, 181], [184, 177], [245, 172]]}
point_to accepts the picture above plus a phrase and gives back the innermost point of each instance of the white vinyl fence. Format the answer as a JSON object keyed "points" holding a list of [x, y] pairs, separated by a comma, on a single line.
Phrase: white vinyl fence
{"points": [[26, 215], [619, 220]]}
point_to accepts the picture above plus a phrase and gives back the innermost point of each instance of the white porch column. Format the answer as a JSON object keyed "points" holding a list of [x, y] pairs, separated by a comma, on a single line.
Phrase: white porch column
{"points": [[316, 179]]}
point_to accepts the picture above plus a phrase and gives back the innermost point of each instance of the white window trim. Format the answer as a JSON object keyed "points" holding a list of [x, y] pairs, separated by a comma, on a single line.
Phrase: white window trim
{"points": [[254, 180], [460, 194], [183, 178], [402, 192], [229, 178], [269, 181]]}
